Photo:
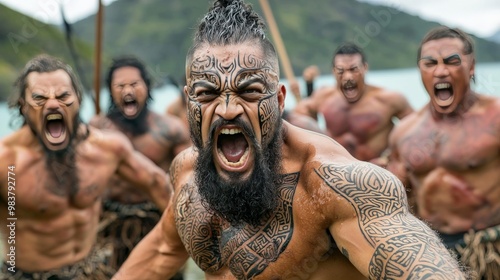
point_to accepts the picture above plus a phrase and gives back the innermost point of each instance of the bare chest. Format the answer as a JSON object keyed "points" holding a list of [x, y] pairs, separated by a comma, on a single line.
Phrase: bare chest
{"points": [[360, 119], [245, 251], [455, 146], [49, 188]]}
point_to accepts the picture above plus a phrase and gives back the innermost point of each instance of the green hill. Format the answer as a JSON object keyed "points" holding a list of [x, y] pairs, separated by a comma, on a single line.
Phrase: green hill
{"points": [[160, 33], [22, 37]]}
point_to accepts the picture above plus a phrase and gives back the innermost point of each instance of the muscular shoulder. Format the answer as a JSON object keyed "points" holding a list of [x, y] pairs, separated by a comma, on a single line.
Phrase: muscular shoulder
{"points": [[109, 141], [13, 148], [409, 123], [168, 127], [397, 100], [101, 121], [182, 167], [303, 147], [359, 187]]}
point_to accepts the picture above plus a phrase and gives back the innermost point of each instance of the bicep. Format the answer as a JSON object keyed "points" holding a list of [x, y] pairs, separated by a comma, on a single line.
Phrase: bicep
{"points": [[378, 232]]}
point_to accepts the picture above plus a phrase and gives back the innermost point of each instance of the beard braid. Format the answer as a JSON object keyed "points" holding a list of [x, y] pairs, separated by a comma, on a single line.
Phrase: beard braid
{"points": [[239, 201], [136, 126], [61, 165]]}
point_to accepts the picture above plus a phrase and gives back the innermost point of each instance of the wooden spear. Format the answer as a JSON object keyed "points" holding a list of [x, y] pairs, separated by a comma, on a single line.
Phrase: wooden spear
{"points": [[97, 66], [280, 47]]}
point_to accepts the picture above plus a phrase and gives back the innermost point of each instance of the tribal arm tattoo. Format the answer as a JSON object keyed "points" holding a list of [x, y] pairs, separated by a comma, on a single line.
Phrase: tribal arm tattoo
{"points": [[404, 246]]}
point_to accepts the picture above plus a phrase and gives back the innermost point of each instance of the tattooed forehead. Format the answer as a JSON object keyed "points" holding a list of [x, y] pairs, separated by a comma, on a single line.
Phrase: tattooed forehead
{"points": [[232, 72]]}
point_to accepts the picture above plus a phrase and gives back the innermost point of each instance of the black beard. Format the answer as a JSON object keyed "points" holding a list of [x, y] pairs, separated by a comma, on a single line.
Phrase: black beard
{"points": [[136, 126], [61, 164], [239, 201], [62, 171]]}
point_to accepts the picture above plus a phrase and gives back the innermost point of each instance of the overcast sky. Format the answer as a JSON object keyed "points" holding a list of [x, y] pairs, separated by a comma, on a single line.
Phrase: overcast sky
{"points": [[479, 17]]}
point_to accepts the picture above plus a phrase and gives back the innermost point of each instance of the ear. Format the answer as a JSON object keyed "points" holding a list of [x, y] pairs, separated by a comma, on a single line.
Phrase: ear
{"points": [[472, 68], [366, 66], [281, 98], [21, 102], [186, 92]]}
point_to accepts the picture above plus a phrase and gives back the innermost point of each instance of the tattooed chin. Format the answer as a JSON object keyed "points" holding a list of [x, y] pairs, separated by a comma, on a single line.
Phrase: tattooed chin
{"points": [[241, 201]]}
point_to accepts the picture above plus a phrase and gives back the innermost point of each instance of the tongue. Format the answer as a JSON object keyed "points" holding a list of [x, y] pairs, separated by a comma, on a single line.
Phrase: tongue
{"points": [[233, 147], [130, 109], [55, 128], [443, 94]]}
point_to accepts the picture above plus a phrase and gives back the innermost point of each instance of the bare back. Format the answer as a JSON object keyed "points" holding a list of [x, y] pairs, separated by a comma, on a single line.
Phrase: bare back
{"points": [[165, 138], [452, 165]]}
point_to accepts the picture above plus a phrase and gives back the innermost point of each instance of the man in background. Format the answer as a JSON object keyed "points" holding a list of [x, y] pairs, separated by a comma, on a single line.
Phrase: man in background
{"points": [[55, 170], [128, 213], [447, 153], [357, 115]]}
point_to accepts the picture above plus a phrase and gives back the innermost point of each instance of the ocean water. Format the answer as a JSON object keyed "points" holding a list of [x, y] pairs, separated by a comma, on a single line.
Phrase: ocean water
{"points": [[406, 81]]}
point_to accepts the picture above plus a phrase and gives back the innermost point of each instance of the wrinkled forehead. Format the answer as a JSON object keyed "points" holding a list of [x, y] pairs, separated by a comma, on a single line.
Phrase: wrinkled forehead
{"points": [[348, 60], [45, 81], [443, 47], [229, 61]]}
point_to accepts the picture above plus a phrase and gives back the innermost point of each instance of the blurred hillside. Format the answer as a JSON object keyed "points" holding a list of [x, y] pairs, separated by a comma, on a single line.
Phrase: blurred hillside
{"points": [[160, 33], [22, 37]]}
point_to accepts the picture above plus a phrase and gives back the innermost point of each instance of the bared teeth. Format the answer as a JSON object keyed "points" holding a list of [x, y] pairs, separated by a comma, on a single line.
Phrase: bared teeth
{"points": [[443, 86], [230, 131], [54, 117], [128, 99]]}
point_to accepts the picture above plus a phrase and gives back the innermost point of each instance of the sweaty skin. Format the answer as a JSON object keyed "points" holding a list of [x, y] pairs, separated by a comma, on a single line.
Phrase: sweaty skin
{"points": [[361, 119], [335, 215], [57, 203], [447, 152], [452, 166]]}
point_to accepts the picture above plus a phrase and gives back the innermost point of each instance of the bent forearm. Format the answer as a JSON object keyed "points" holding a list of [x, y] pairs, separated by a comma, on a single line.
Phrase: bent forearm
{"points": [[152, 259], [416, 251]]}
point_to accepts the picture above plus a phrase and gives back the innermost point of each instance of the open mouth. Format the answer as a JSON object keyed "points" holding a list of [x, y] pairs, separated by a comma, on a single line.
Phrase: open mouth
{"points": [[55, 129], [444, 94], [130, 106], [350, 90], [232, 149]]}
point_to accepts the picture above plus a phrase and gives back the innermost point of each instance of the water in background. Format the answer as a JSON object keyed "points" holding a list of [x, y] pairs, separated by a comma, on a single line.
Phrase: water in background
{"points": [[406, 81]]}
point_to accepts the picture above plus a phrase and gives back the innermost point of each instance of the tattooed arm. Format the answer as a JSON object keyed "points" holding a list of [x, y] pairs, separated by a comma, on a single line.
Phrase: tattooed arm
{"points": [[375, 231]]}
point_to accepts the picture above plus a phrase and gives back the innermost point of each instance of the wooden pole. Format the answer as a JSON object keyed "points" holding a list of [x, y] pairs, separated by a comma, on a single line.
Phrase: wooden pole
{"points": [[280, 47], [97, 66]]}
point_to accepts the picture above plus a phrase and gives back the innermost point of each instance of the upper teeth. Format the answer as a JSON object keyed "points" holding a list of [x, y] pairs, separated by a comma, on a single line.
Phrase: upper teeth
{"points": [[230, 131], [442, 85], [54, 117]]}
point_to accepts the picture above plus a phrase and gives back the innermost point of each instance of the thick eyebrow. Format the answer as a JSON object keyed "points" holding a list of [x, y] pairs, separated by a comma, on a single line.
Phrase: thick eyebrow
{"points": [[36, 94], [446, 60], [62, 93], [204, 84], [248, 82]]}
